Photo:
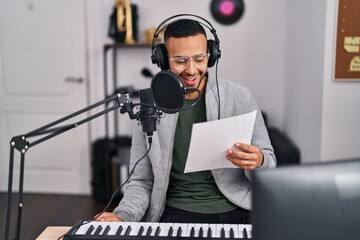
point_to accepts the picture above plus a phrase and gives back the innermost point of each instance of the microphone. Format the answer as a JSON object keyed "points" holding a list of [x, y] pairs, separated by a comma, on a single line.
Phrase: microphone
{"points": [[148, 114], [168, 91], [147, 73]]}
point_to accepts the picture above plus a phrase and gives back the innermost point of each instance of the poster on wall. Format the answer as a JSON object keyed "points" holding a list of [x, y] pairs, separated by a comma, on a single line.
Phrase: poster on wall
{"points": [[347, 58]]}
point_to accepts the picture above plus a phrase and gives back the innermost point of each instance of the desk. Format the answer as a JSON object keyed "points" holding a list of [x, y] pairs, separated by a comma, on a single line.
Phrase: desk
{"points": [[53, 233]]}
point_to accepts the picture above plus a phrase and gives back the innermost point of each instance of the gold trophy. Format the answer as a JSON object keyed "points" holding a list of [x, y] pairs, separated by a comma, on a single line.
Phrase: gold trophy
{"points": [[124, 19]]}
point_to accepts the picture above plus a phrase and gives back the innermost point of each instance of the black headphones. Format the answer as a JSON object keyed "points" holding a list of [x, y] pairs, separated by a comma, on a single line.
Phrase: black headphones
{"points": [[159, 53]]}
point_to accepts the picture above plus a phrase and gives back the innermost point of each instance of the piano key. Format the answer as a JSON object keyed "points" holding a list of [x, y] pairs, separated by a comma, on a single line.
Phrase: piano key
{"points": [[205, 227], [83, 228], [125, 228], [235, 229], [227, 228], [127, 231], [245, 234], [140, 231], [134, 228], [184, 227], [190, 227], [119, 230], [197, 227], [217, 232], [211, 230], [248, 228], [147, 229], [154, 229], [201, 232], [98, 229], [222, 233], [157, 231], [89, 230], [170, 233], [192, 232], [148, 232], [106, 230], [179, 232], [231, 234], [176, 229], [165, 229]]}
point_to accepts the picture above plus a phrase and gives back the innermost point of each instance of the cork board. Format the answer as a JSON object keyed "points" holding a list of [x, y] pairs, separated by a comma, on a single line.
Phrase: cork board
{"points": [[347, 59]]}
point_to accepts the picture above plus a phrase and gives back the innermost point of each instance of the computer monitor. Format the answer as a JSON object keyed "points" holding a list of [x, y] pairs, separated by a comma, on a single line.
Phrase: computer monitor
{"points": [[308, 201]]}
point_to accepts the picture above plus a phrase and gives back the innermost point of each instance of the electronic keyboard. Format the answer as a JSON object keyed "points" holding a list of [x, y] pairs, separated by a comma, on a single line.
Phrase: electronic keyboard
{"points": [[156, 231]]}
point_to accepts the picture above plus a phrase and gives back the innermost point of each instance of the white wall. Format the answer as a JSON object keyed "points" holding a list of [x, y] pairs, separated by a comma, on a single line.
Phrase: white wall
{"points": [[253, 51], [321, 115], [340, 132], [304, 74]]}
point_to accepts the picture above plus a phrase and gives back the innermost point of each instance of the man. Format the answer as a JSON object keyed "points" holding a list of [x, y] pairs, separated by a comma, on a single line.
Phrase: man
{"points": [[158, 188]]}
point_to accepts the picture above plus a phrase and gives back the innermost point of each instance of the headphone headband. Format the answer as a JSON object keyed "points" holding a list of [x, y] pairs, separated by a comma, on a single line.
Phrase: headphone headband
{"points": [[158, 52]]}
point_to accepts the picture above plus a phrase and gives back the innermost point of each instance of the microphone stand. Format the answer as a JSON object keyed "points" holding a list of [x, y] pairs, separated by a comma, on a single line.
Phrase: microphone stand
{"points": [[21, 144]]}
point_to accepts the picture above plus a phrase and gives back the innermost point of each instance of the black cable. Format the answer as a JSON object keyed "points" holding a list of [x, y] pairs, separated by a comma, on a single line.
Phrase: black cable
{"points": [[116, 191], [217, 87]]}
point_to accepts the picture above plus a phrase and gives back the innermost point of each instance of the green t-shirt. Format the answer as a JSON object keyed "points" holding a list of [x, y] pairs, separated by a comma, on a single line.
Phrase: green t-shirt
{"points": [[197, 191]]}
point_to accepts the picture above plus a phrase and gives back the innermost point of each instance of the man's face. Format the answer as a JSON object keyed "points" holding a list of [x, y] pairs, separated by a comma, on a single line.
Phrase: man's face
{"points": [[188, 59]]}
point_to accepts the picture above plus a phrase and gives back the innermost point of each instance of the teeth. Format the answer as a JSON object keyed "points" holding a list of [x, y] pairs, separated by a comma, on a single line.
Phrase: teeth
{"points": [[191, 79]]}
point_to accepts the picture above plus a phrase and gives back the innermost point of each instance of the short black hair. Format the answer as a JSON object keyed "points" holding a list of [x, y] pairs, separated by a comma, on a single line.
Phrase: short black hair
{"points": [[183, 28]]}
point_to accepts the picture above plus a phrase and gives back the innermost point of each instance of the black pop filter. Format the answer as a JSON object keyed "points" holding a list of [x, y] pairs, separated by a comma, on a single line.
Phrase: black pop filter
{"points": [[168, 91]]}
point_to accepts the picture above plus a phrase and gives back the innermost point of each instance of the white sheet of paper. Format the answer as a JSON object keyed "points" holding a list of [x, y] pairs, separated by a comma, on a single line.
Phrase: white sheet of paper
{"points": [[210, 140]]}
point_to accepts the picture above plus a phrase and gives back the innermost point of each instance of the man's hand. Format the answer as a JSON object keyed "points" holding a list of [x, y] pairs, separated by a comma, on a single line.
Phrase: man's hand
{"points": [[248, 157], [108, 217]]}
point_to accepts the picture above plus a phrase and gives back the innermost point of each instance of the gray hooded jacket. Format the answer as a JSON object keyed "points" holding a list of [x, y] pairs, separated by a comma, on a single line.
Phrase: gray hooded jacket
{"points": [[146, 190]]}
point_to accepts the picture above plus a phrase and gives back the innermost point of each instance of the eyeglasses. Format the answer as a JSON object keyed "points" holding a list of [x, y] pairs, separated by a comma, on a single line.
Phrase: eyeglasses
{"points": [[183, 62]]}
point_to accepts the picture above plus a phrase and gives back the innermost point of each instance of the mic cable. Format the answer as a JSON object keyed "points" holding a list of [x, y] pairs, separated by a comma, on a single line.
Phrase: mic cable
{"points": [[81, 223]]}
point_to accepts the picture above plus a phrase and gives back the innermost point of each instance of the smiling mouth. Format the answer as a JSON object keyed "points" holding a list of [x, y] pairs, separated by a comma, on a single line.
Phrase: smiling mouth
{"points": [[190, 80]]}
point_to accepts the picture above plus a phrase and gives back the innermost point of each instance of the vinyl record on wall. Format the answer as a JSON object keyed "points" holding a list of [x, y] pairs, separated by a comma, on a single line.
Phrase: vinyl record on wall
{"points": [[227, 11]]}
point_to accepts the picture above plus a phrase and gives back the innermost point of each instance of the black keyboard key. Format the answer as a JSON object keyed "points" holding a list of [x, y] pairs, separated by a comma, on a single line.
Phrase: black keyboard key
{"points": [[90, 229], [192, 232], [232, 234], [179, 231], [118, 232], [201, 232], [209, 235], [222, 233], [170, 233], [141, 230], [98, 230], [157, 232], [106, 230], [128, 230], [245, 233], [148, 232]]}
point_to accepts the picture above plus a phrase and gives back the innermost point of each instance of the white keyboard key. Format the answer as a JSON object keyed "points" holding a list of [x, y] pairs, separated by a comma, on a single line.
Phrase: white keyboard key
{"points": [[227, 230], [235, 229], [184, 227], [154, 227], [190, 227], [205, 229], [146, 226], [113, 228], [248, 228], [134, 229], [165, 227], [83, 229]]}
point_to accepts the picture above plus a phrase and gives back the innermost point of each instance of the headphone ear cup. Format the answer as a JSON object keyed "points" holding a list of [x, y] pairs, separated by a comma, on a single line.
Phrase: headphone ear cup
{"points": [[214, 52], [160, 57]]}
